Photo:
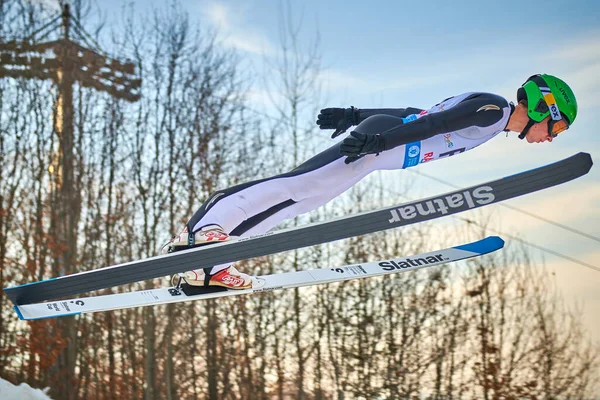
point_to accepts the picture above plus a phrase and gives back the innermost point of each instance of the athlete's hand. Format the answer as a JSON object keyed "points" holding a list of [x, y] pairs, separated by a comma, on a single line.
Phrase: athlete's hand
{"points": [[357, 145], [339, 119]]}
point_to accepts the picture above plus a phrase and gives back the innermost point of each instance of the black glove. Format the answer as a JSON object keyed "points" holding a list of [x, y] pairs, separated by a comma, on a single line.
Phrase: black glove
{"points": [[359, 144], [339, 119]]}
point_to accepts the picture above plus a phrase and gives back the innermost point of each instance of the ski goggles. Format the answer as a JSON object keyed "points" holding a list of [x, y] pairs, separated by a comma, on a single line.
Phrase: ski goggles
{"points": [[556, 127], [556, 123]]}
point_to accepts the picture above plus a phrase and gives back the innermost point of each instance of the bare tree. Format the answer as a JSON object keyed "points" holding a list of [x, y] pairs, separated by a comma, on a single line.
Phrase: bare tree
{"points": [[529, 344], [293, 89]]}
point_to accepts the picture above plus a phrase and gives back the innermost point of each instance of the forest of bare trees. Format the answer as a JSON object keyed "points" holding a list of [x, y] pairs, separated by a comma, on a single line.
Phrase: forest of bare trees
{"points": [[490, 328]]}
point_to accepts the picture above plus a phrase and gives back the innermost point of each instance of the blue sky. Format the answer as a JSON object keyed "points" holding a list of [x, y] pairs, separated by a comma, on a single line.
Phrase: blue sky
{"points": [[407, 53], [397, 54]]}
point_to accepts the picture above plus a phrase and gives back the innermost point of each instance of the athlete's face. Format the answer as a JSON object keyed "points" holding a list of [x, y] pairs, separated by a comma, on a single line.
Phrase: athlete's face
{"points": [[538, 133]]}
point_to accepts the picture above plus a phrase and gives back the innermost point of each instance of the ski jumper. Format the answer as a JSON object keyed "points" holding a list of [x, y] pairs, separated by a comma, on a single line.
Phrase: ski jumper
{"points": [[455, 125]]}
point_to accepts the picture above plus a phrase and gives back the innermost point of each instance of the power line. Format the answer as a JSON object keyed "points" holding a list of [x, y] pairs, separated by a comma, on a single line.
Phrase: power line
{"points": [[553, 252], [546, 220], [87, 38], [32, 35], [574, 260]]}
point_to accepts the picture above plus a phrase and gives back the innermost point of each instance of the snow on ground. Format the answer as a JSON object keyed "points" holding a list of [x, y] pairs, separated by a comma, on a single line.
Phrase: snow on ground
{"points": [[8, 391]]}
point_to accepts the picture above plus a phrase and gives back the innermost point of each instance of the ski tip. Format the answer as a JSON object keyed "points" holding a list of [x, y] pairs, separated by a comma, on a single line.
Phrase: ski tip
{"points": [[22, 317], [483, 246], [497, 241], [586, 158], [19, 314]]}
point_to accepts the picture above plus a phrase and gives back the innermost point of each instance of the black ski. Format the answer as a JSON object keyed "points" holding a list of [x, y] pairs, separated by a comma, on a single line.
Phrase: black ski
{"points": [[309, 235]]}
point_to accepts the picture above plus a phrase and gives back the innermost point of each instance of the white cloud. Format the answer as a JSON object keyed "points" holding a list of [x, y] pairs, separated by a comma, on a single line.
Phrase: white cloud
{"points": [[234, 30], [219, 15], [585, 81], [575, 60], [424, 77], [263, 99], [579, 49], [337, 79]]}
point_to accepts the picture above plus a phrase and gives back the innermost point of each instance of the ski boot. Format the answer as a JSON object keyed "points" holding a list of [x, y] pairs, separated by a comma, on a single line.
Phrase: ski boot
{"points": [[229, 278], [206, 235]]}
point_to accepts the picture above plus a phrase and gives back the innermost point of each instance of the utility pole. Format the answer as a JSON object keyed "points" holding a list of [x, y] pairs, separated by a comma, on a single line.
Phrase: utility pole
{"points": [[67, 63]]}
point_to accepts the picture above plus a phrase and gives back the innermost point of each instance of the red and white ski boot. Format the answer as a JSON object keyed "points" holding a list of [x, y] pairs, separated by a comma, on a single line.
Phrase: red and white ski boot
{"points": [[206, 235], [229, 277]]}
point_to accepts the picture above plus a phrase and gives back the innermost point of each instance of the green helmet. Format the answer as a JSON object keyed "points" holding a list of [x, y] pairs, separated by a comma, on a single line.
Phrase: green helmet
{"points": [[547, 95]]}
